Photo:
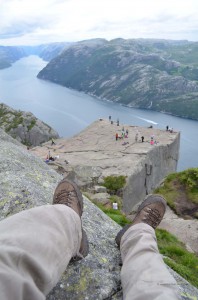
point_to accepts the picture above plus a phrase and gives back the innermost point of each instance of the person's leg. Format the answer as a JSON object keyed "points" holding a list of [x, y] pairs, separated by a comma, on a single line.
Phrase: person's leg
{"points": [[36, 246], [144, 274]]}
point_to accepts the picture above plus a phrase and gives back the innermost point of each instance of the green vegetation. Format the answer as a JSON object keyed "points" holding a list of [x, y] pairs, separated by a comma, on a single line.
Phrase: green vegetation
{"points": [[183, 105], [175, 254], [115, 215], [114, 183], [31, 125], [189, 178], [171, 188], [177, 257], [9, 119], [16, 121]]}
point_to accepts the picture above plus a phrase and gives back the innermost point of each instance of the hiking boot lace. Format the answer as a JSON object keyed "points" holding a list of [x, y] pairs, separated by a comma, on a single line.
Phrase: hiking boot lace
{"points": [[66, 197], [153, 217]]}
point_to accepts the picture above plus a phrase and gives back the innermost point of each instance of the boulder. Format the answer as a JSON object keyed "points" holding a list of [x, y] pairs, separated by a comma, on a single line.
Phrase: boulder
{"points": [[102, 198], [100, 189], [25, 127]]}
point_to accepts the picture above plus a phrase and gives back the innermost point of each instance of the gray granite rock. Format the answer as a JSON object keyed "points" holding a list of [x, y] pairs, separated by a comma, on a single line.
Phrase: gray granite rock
{"points": [[100, 189], [26, 181], [25, 127], [94, 154], [101, 198]]}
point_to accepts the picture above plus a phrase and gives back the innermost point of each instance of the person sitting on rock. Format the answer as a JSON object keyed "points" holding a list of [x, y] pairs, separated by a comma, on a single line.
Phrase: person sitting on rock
{"points": [[30, 266], [51, 158]]}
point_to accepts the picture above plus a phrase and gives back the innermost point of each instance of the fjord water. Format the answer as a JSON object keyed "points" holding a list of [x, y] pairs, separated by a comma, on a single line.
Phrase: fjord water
{"points": [[69, 111]]}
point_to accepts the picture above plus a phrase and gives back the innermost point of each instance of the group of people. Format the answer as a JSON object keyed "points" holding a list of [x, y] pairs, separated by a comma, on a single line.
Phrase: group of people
{"points": [[170, 129], [124, 134], [50, 157]]}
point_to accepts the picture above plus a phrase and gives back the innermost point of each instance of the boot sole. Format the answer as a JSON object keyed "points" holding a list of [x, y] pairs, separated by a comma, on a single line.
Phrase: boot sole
{"points": [[85, 248]]}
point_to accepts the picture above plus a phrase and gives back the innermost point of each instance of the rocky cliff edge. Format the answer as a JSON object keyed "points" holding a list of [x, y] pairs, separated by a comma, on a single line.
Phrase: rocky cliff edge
{"points": [[26, 181], [94, 154]]}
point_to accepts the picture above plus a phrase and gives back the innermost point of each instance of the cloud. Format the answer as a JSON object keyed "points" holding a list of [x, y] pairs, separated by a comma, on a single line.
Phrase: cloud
{"points": [[39, 21]]}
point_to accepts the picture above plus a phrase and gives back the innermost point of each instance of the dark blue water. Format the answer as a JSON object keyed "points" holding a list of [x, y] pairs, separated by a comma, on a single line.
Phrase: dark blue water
{"points": [[69, 111]]}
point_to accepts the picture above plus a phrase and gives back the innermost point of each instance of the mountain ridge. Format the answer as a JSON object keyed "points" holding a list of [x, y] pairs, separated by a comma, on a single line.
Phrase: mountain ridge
{"points": [[135, 73]]}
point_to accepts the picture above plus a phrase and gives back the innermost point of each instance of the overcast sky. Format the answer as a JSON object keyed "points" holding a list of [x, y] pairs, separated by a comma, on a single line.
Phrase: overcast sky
{"points": [[31, 22]]}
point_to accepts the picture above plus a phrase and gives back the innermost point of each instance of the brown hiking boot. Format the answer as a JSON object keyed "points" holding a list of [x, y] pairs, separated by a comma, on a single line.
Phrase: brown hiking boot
{"points": [[151, 212], [68, 193]]}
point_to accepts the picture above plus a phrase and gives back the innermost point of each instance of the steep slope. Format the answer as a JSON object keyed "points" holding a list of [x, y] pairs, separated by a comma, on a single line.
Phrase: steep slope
{"points": [[136, 73], [25, 127]]}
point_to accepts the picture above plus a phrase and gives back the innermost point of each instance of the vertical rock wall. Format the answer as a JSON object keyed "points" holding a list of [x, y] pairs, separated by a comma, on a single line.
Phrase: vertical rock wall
{"points": [[151, 170]]}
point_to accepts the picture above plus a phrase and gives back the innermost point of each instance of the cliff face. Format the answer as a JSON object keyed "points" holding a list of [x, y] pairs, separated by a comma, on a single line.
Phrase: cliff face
{"points": [[26, 181], [95, 153], [147, 74], [158, 162], [25, 127]]}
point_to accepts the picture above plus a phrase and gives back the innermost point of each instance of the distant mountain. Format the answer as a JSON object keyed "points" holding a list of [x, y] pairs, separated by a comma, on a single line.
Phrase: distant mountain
{"points": [[8, 55], [46, 51], [161, 75]]}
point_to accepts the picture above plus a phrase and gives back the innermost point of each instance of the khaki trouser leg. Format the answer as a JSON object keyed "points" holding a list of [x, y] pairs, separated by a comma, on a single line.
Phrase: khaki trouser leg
{"points": [[35, 248], [144, 275]]}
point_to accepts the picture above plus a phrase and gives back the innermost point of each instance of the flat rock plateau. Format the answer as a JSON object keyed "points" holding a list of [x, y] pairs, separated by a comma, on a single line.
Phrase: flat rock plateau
{"points": [[94, 154]]}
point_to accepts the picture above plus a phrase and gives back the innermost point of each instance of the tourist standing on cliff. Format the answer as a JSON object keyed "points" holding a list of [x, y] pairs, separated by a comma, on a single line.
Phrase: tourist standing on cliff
{"points": [[116, 136], [30, 266]]}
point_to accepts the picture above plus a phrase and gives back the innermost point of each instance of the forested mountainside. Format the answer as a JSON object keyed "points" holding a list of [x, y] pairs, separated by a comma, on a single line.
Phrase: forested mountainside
{"points": [[161, 75], [8, 55]]}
